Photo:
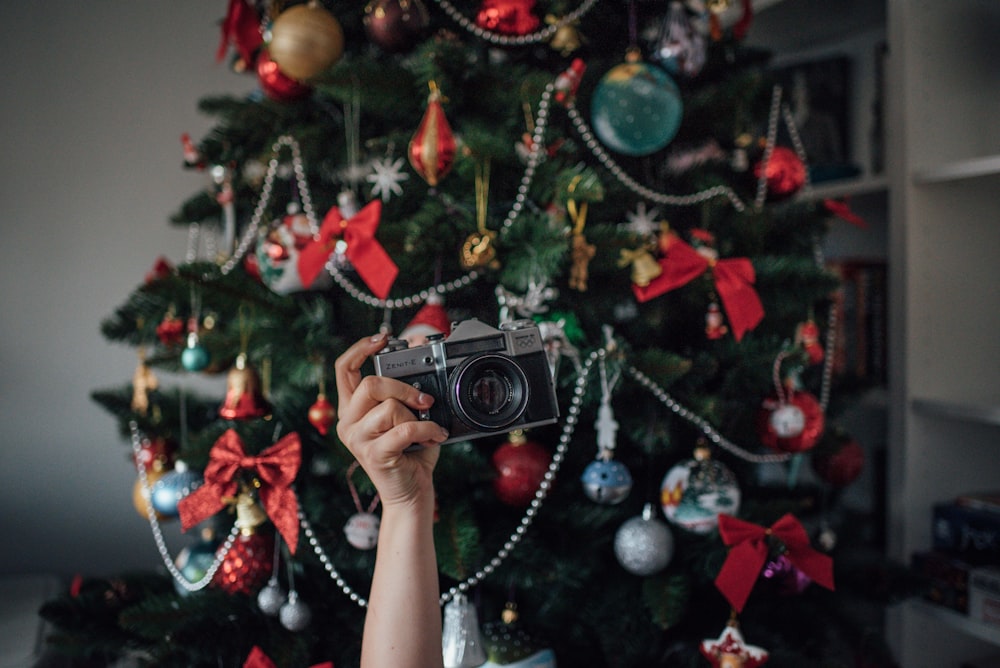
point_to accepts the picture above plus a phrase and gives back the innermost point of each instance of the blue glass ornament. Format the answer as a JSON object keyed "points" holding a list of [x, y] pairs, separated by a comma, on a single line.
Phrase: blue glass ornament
{"points": [[636, 108], [194, 357], [171, 487], [194, 561], [606, 481]]}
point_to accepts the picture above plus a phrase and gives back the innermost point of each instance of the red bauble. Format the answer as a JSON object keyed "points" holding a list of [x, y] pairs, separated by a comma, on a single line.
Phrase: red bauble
{"points": [[510, 17], [840, 466], [433, 146], [277, 85], [785, 173], [321, 414], [395, 24], [520, 465], [247, 565], [171, 331], [792, 425]]}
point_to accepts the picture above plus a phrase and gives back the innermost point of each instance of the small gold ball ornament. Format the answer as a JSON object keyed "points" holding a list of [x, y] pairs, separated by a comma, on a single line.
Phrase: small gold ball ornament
{"points": [[305, 40]]}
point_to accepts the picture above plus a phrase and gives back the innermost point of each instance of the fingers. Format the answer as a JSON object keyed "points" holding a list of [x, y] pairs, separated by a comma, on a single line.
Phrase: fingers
{"points": [[384, 432], [347, 368]]}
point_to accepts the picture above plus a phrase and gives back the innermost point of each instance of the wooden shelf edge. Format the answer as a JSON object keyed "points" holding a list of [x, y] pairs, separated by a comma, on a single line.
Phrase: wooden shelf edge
{"points": [[957, 621], [957, 411], [958, 170]]}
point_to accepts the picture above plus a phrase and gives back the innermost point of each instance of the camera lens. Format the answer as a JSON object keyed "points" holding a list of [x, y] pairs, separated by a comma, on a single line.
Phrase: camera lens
{"points": [[489, 392]]}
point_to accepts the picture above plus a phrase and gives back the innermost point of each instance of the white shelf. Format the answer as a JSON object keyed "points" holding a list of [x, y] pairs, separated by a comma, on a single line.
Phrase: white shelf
{"points": [[957, 411], [958, 170], [865, 185], [956, 620]]}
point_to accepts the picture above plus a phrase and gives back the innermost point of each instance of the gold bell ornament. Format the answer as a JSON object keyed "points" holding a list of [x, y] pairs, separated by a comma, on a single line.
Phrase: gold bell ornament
{"points": [[244, 397]]}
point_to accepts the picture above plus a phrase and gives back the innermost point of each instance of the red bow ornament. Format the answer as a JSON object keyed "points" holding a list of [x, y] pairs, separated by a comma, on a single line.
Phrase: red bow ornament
{"points": [[365, 253], [748, 552], [734, 278], [258, 659], [276, 467]]}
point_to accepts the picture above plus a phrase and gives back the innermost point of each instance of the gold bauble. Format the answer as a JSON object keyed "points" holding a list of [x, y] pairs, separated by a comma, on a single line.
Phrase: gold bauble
{"points": [[305, 40], [140, 493]]}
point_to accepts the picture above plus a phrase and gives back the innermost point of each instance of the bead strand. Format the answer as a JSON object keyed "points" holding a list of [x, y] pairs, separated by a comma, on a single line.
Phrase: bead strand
{"points": [[594, 146], [496, 39], [702, 424], [154, 524]]}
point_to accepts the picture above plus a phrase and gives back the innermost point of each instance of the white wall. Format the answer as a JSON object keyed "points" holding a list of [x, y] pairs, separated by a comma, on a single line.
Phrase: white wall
{"points": [[95, 96]]}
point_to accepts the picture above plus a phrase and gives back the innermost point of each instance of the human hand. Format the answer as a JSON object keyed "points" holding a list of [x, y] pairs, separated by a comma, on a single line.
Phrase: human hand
{"points": [[377, 425]]}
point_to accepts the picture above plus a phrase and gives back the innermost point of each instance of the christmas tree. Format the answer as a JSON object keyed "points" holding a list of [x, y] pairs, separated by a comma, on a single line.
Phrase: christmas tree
{"points": [[619, 187]]}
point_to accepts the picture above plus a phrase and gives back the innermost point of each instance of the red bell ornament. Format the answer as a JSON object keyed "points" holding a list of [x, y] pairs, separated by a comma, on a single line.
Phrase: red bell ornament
{"points": [[244, 397], [433, 146], [521, 466]]}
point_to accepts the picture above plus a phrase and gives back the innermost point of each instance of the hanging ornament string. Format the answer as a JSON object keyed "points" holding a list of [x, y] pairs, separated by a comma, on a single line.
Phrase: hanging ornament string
{"points": [[154, 525], [594, 146], [543, 35], [354, 492], [569, 426]]}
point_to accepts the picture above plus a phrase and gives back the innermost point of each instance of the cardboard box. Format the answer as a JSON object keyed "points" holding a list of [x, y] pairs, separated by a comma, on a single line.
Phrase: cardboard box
{"points": [[948, 579], [984, 595], [971, 533]]}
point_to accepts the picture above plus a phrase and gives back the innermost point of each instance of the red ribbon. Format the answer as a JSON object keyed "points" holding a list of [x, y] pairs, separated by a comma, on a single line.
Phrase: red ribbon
{"points": [[366, 254], [841, 209], [749, 549], [276, 467], [734, 278], [241, 27], [257, 659]]}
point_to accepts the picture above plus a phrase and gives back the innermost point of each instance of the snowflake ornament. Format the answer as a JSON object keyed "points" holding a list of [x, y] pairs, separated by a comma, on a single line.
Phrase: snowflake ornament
{"points": [[387, 177], [642, 222]]}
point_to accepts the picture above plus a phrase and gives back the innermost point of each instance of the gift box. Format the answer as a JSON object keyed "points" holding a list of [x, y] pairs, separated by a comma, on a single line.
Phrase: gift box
{"points": [[947, 577], [969, 532], [984, 595]]}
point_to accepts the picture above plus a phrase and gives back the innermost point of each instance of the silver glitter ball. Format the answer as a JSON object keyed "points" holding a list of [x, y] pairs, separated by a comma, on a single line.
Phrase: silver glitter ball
{"points": [[294, 614], [271, 598], [644, 544]]}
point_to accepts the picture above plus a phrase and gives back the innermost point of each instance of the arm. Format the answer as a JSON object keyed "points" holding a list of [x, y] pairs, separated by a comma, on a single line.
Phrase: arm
{"points": [[376, 423]]}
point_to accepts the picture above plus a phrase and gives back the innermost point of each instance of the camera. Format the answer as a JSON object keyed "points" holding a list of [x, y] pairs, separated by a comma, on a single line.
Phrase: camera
{"points": [[484, 380]]}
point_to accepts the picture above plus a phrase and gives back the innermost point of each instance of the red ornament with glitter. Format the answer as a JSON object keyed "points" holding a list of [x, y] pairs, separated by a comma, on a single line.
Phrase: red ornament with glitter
{"points": [[510, 17], [247, 565], [433, 146], [784, 173], [520, 465]]}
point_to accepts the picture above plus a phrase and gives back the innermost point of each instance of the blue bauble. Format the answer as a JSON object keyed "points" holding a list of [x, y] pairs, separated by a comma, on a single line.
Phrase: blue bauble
{"points": [[171, 487], [636, 109], [194, 357], [606, 481], [194, 561]]}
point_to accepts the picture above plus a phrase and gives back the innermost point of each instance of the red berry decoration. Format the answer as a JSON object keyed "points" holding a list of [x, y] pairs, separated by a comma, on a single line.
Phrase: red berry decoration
{"points": [[521, 465], [247, 564], [792, 424], [784, 172], [322, 414], [841, 465]]}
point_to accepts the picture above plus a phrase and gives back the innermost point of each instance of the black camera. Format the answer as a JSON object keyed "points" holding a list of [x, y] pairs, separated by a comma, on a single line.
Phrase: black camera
{"points": [[484, 380]]}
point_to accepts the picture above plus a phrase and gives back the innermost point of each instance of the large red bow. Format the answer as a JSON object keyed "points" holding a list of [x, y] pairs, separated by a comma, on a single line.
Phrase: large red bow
{"points": [[257, 659], [241, 27], [734, 278], [748, 552], [276, 467], [372, 263]]}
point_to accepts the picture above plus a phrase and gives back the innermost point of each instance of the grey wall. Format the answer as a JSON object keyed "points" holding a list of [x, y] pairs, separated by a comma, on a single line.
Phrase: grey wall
{"points": [[95, 96]]}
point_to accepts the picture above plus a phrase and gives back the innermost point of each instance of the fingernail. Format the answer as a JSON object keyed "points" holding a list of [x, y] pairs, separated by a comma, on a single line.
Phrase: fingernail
{"points": [[444, 434], [378, 338], [424, 399]]}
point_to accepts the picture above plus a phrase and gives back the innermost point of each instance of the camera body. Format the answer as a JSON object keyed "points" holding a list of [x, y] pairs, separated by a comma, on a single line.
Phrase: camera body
{"points": [[484, 380]]}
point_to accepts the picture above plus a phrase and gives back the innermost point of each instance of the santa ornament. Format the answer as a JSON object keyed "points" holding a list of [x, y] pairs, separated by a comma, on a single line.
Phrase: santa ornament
{"points": [[729, 650], [430, 321]]}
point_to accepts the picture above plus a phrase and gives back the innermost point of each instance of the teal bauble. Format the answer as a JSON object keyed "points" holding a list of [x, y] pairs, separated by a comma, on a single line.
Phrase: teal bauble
{"points": [[194, 357], [636, 108]]}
